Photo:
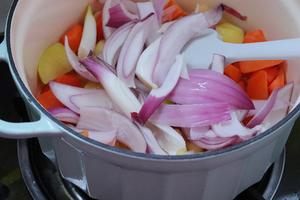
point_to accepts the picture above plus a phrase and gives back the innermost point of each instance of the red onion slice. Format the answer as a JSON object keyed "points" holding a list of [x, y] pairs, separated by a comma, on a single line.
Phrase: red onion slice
{"points": [[164, 27], [118, 16], [159, 8], [188, 116], [130, 6], [75, 98], [132, 50], [120, 94], [234, 12], [105, 137], [215, 143], [199, 90], [145, 9], [64, 115], [157, 96], [112, 46], [89, 35], [146, 64], [177, 36], [234, 128], [74, 61], [153, 146], [107, 5], [101, 119], [167, 137]]}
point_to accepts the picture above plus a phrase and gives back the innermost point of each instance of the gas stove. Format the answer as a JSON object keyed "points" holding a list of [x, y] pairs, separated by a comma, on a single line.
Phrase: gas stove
{"points": [[25, 172]]}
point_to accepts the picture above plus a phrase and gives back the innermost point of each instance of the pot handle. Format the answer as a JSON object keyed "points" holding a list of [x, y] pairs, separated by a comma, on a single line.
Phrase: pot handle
{"points": [[42, 127]]}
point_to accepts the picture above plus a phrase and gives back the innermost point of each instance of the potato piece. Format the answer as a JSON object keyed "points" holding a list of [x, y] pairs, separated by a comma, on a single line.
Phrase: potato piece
{"points": [[53, 63], [230, 33]]}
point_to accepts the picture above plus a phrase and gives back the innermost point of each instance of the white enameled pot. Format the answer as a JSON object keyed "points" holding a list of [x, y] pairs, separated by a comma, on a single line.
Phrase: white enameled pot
{"points": [[111, 174]]}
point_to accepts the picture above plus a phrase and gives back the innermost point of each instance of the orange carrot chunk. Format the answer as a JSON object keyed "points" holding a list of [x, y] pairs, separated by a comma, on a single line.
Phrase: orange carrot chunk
{"points": [[233, 72], [255, 36], [172, 11], [279, 81], [48, 100], [74, 35], [252, 66], [272, 73], [257, 87], [71, 78]]}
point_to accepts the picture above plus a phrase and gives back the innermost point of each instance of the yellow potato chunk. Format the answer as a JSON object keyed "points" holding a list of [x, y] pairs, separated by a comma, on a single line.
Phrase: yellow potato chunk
{"points": [[230, 33], [53, 63]]}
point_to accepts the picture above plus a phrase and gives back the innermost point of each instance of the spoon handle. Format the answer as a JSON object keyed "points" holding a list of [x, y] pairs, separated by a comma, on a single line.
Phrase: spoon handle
{"points": [[273, 50]]}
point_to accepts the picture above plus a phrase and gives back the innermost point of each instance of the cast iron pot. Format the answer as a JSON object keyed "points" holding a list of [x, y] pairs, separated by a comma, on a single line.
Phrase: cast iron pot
{"points": [[112, 174]]}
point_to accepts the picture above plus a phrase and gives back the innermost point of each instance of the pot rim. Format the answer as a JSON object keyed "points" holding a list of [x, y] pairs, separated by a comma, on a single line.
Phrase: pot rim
{"points": [[126, 153]]}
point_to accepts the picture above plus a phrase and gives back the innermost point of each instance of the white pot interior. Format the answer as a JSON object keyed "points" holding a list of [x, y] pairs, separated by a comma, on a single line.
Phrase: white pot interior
{"points": [[37, 24]]}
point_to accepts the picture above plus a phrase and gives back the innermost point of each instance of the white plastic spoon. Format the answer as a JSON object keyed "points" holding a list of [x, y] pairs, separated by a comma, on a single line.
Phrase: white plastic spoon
{"points": [[199, 52]]}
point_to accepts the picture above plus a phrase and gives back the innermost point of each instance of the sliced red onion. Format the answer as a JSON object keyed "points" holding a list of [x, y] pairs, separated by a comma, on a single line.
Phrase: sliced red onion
{"points": [[234, 12], [74, 61], [130, 6], [153, 146], [167, 137], [118, 16], [112, 46], [218, 63], [278, 114], [200, 90], [177, 36], [164, 27], [277, 111], [188, 116], [107, 5], [120, 94], [159, 8], [89, 35], [105, 137], [197, 133], [234, 128], [75, 98], [158, 95], [132, 50], [100, 119], [145, 9], [214, 143], [146, 64], [64, 115], [241, 114]]}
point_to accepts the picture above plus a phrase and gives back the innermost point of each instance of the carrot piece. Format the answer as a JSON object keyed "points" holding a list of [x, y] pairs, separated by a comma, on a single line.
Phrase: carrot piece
{"points": [[272, 73], [242, 84], [233, 72], [172, 11], [70, 78], [74, 34], [255, 36], [257, 87], [252, 66], [279, 81], [48, 100], [100, 34], [85, 133], [246, 120]]}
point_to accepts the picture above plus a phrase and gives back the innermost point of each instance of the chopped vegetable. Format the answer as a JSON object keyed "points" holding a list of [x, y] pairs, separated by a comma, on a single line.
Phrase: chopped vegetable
{"points": [[53, 63], [172, 11], [230, 33], [70, 78], [99, 20], [252, 66], [257, 87], [89, 35], [255, 36], [233, 72], [48, 100], [118, 16], [279, 81], [272, 73], [64, 114], [74, 35]]}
